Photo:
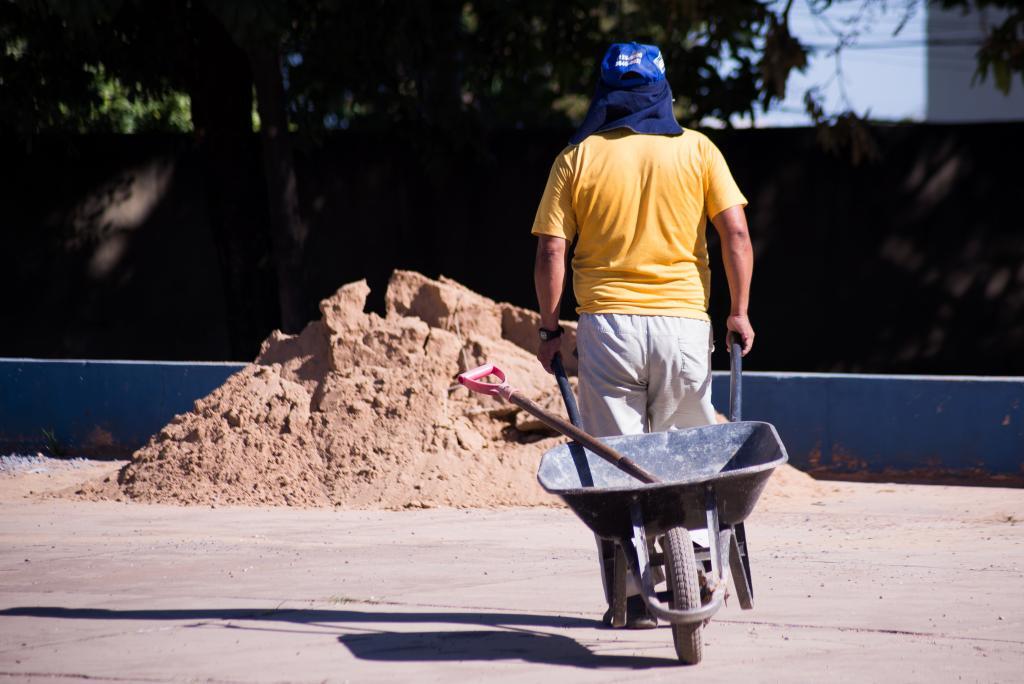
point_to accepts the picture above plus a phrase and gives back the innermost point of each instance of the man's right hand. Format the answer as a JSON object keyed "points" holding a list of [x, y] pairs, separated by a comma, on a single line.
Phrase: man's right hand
{"points": [[546, 352], [740, 326]]}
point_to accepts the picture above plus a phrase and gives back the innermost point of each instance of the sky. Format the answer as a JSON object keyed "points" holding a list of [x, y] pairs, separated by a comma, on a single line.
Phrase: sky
{"points": [[883, 74]]}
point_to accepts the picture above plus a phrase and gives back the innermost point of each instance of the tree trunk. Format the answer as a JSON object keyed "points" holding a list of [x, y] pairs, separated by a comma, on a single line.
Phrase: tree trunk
{"points": [[288, 230]]}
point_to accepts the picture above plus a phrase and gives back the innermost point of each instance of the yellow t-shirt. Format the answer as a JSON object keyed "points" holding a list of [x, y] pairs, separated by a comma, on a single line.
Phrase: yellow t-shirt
{"points": [[639, 205]]}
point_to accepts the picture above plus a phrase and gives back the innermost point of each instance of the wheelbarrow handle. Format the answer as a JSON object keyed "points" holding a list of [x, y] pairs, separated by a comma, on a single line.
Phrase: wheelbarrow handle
{"points": [[566, 390], [735, 377]]}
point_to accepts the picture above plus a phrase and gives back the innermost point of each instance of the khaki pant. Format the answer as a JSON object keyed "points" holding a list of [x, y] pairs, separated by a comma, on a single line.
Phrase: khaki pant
{"points": [[642, 374]]}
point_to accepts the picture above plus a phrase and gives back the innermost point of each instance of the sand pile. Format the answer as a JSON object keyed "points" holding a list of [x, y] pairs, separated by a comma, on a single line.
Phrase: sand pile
{"points": [[363, 411]]}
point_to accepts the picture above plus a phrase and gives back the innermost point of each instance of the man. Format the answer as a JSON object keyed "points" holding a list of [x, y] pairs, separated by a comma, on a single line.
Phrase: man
{"points": [[635, 190]]}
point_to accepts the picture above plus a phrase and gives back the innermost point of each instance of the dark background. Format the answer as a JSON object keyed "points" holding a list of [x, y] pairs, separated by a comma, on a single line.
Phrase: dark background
{"points": [[913, 263]]}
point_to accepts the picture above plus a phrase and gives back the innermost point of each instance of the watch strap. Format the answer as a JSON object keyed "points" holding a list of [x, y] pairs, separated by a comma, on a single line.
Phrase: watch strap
{"points": [[546, 334]]}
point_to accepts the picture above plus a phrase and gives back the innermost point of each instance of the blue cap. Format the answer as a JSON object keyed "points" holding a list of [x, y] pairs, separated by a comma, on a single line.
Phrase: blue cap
{"points": [[631, 64]]}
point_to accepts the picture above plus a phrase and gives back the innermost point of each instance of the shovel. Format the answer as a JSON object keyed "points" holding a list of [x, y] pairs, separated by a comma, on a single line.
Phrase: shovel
{"points": [[472, 379]]}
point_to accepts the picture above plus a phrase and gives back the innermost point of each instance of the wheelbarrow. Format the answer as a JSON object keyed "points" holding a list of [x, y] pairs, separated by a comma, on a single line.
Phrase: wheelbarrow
{"points": [[646, 493]]}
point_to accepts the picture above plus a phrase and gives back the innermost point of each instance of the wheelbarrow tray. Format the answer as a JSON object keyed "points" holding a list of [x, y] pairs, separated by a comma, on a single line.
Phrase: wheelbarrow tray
{"points": [[735, 459]]}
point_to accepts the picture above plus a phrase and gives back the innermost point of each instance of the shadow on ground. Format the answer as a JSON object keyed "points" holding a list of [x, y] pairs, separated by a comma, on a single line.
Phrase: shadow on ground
{"points": [[508, 636]]}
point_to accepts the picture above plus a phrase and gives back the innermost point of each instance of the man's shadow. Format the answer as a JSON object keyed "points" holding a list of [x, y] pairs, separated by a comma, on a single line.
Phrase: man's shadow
{"points": [[506, 636]]}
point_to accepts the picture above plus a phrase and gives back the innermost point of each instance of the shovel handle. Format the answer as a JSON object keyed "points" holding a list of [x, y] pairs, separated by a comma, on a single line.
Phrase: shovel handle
{"points": [[574, 433], [471, 380]]}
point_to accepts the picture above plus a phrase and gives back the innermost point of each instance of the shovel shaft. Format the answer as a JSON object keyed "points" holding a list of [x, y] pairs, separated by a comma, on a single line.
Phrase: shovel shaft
{"points": [[473, 378], [572, 432]]}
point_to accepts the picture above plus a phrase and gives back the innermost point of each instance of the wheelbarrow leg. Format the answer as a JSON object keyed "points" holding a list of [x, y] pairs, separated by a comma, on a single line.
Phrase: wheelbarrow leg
{"points": [[618, 588], [614, 574], [606, 560], [722, 546], [714, 547], [739, 564]]}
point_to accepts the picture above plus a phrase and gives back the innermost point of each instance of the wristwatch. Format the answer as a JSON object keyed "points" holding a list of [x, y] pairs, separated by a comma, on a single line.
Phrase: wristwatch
{"points": [[546, 334]]}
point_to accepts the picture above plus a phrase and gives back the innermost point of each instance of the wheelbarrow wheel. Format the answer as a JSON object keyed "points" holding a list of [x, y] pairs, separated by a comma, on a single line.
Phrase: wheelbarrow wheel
{"points": [[681, 574]]}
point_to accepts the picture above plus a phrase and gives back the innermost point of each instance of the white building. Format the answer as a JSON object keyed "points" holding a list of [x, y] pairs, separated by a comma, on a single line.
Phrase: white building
{"points": [[951, 66], [925, 73]]}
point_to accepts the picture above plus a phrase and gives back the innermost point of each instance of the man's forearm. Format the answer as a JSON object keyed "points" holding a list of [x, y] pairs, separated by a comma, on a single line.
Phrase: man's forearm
{"points": [[549, 278], [739, 267]]}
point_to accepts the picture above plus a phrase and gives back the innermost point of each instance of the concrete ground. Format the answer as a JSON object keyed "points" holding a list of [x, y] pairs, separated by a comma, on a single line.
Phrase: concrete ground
{"points": [[866, 583]]}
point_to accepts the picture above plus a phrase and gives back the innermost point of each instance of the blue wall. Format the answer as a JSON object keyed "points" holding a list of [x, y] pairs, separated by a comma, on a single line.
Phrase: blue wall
{"points": [[97, 407], [844, 423], [835, 423]]}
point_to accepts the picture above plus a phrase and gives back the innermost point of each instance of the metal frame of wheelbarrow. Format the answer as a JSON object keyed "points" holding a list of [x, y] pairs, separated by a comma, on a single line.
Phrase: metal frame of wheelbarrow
{"points": [[719, 470], [709, 494], [727, 545]]}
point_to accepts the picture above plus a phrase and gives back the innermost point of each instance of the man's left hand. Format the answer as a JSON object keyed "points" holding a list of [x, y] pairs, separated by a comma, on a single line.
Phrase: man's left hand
{"points": [[740, 326], [546, 352]]}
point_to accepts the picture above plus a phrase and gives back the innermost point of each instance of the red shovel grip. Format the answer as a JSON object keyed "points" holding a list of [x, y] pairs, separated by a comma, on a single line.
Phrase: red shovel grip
{"points": [[471, 379]]}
